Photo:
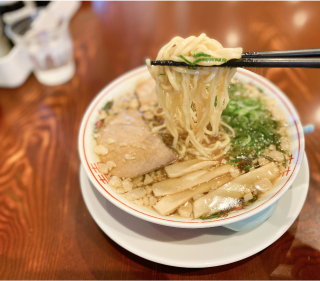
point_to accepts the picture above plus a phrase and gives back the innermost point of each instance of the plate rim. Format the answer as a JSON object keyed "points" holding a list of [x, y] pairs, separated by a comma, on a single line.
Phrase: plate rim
{"points": [[131, 249]]}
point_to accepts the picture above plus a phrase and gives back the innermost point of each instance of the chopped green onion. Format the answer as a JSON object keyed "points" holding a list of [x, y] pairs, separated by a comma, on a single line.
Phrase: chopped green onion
{"points": [[260, 151], [254, 115], [196, 55], [208, 59], [249, 116], [248, 167], [207, 87], [107, 106], [216, 215], [187, 61], [201, 59], [233, 163], [254, 199], [248, 107], [245, 142], [267, 157], [161, 74], [241, 111], [242, 140]]}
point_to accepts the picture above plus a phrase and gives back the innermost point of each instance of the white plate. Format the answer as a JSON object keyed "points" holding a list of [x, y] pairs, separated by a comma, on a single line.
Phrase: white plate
{"points": [[194, 248]]}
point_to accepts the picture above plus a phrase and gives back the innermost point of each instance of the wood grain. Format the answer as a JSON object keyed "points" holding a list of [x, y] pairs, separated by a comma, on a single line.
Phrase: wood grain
{"points": [[46, 231]]}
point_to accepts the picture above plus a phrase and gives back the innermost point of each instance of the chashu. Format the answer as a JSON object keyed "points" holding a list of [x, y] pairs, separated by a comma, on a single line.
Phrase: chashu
{"points": [[146, 92], [136, 151]]}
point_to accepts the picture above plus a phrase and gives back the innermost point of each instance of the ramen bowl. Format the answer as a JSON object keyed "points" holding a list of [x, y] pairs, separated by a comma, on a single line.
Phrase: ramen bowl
{"points": [[251, 215]]}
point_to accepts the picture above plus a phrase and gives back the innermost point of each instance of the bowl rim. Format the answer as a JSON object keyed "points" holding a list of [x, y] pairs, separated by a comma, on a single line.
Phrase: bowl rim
{"points": [[166, 220]]}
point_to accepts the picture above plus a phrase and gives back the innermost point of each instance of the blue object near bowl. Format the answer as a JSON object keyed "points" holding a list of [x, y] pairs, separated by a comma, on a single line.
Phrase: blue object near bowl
{"points": [[308, 129], [254, 220]]}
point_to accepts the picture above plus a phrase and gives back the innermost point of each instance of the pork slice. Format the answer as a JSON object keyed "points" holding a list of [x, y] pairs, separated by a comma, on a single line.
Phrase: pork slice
{"points": [[130, 117], [146, 92], [136, 151]]}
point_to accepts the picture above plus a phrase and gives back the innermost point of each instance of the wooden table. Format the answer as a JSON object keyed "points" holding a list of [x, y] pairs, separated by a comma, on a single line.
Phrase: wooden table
{"points": [[46, 231]]}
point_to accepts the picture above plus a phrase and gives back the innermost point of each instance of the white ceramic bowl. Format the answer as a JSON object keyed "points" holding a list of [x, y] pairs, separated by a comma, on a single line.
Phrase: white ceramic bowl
{"points": [[126, 83]]}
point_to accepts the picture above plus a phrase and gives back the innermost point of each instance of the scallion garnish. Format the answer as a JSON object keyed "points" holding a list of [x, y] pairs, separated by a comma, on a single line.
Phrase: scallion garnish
{"points": [[268, 158], [216, 215], [187, 61], [201, 59], [255, 129], [201, 54], [254, 199], [107, 106], [248, 167], [233, 163], [208, 59]]}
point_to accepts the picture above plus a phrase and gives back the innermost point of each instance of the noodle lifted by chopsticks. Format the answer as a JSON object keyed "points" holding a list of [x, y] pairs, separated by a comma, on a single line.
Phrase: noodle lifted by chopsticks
{"points": [[193, 98]]}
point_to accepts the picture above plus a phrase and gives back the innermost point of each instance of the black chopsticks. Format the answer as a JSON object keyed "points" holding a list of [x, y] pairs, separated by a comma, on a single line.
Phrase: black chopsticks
{"points": [[283, 54], [307, 58]]}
